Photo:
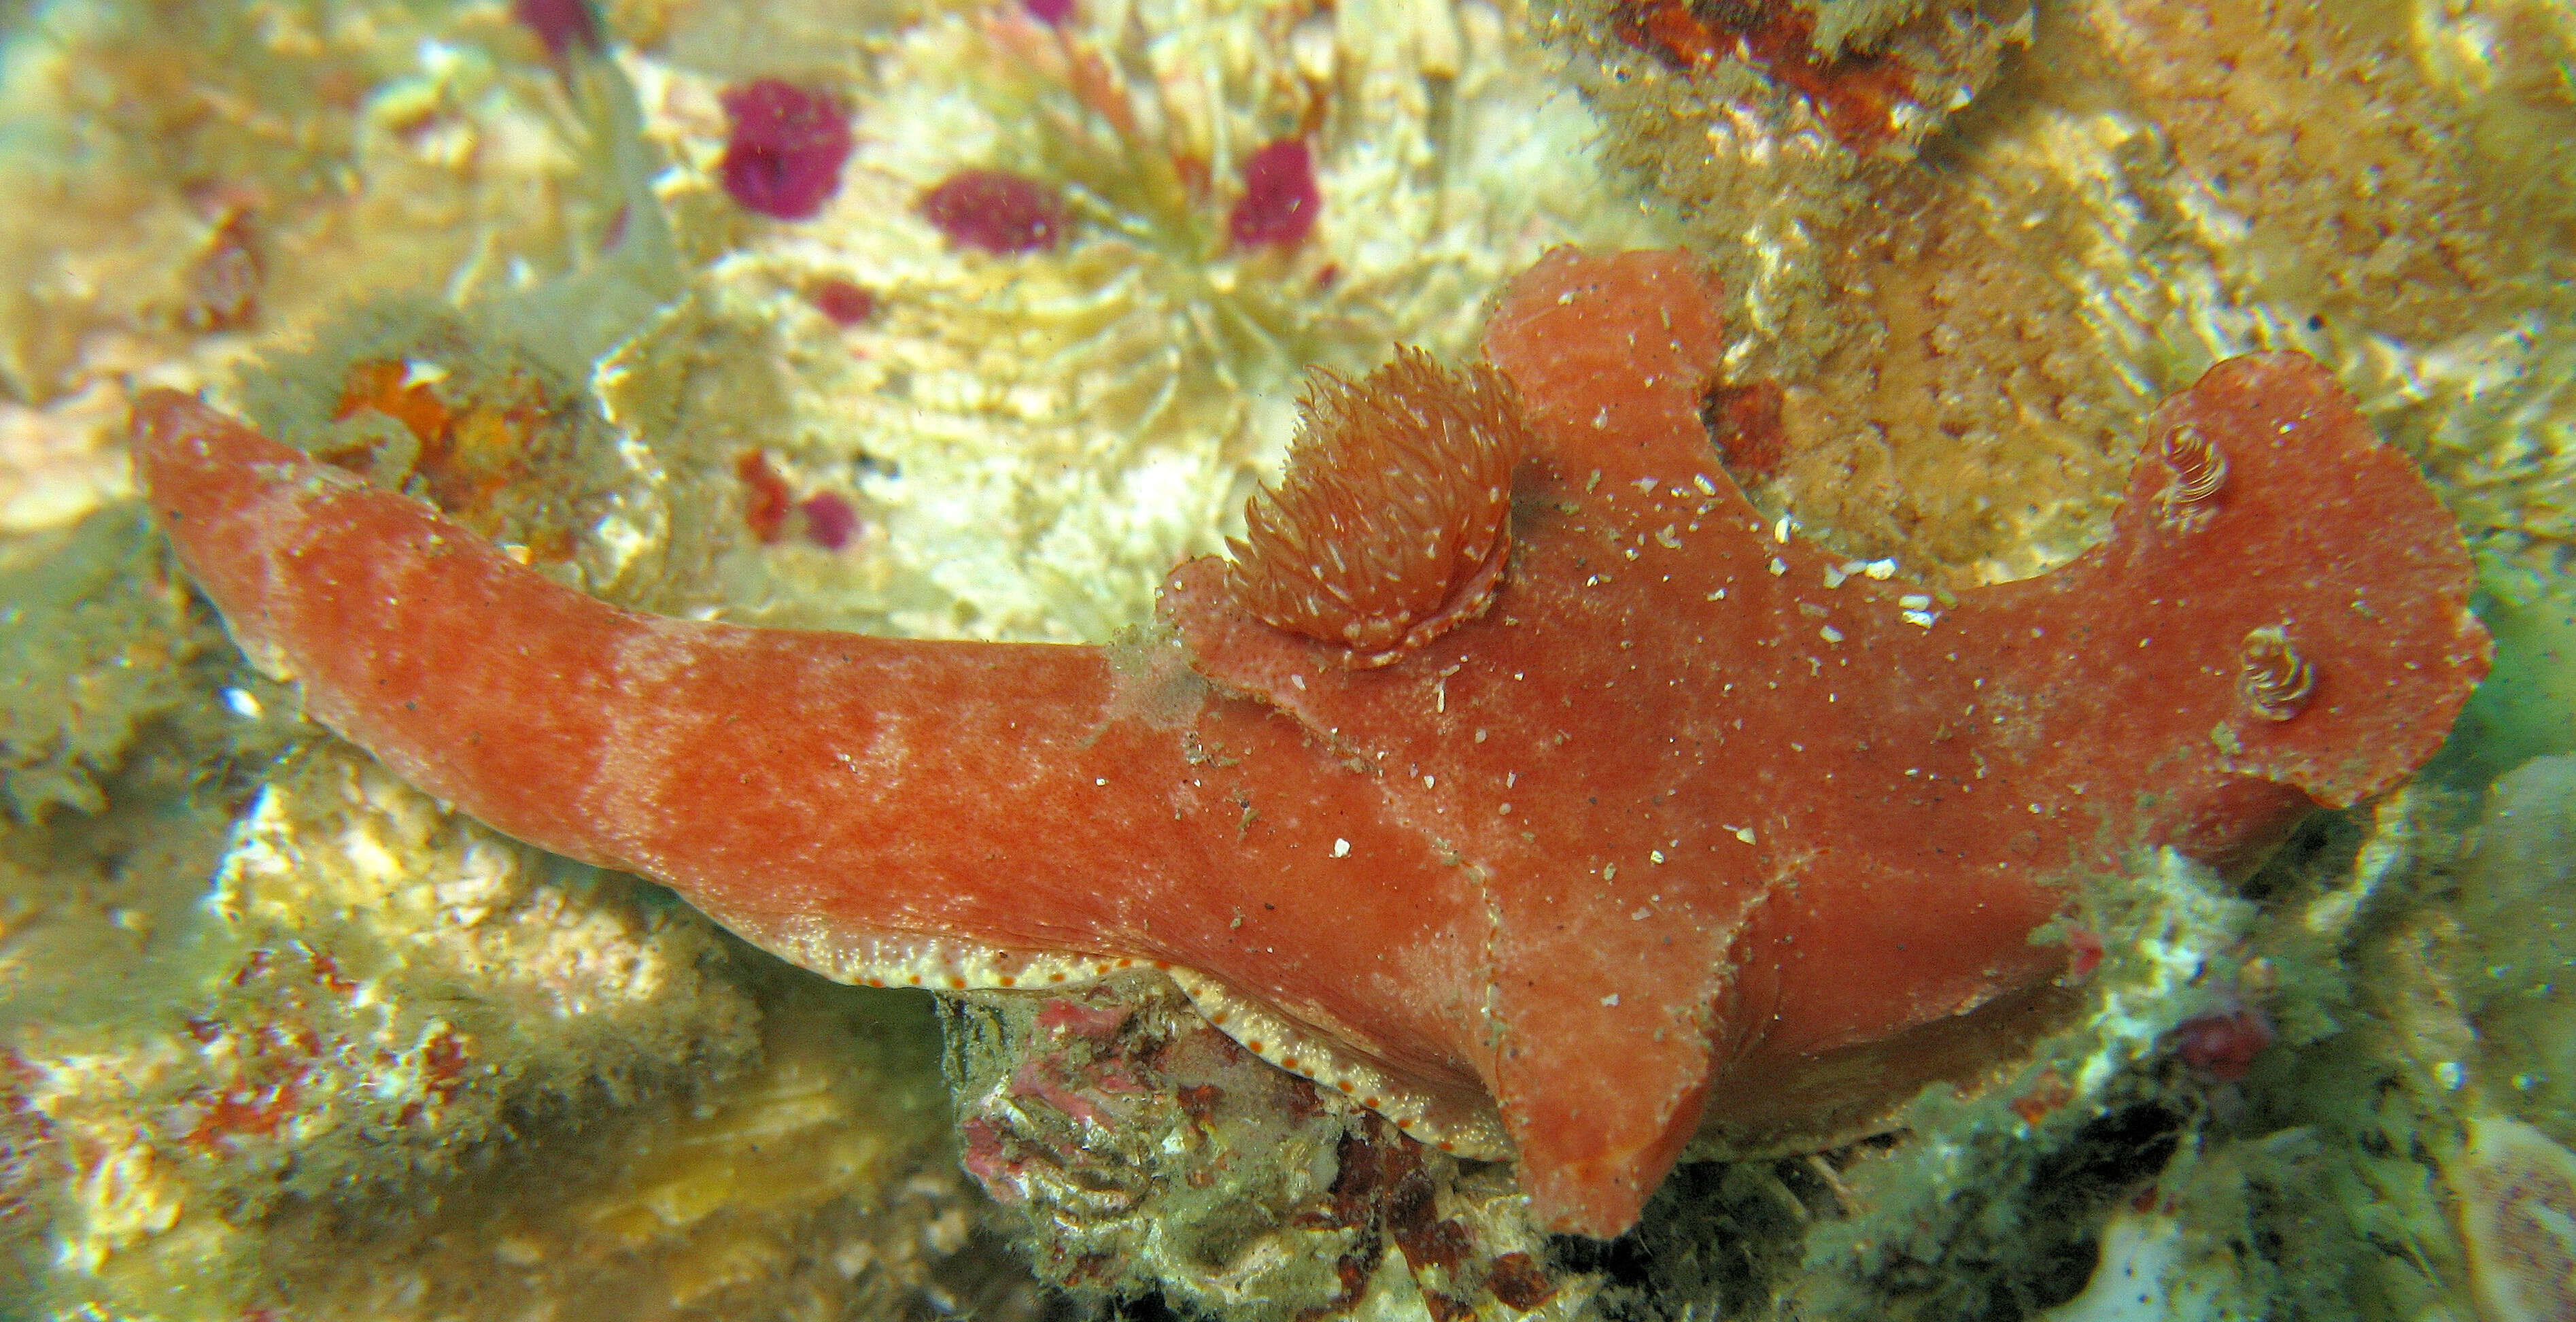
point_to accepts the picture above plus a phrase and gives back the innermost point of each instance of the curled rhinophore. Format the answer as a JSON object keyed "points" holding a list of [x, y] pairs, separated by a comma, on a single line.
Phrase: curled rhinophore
{"points": [[2199, 473], [2276, 680]]}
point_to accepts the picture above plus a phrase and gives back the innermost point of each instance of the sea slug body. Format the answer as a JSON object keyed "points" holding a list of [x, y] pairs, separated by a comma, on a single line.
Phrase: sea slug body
{"points": [[1668, 833]]}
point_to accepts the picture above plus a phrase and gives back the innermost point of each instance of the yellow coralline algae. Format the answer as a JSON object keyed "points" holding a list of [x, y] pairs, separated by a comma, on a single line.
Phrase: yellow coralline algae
{"points": [[2517, 1208]]}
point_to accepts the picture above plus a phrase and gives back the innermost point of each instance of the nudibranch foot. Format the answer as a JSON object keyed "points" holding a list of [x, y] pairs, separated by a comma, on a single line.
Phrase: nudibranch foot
{"points": [[1457, 1121]]}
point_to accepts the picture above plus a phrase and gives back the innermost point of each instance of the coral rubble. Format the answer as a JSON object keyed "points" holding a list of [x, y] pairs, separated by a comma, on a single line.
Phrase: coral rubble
{"points": [[2517, 1192], [1146, 1152]]}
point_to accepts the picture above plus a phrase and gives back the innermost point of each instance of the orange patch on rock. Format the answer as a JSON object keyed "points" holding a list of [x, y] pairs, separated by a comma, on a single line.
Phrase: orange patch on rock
{"points": [[476, 457], [1856, 95]]}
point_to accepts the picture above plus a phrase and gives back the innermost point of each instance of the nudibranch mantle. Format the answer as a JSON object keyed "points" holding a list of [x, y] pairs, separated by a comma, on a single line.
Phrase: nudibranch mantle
{"points": [[1689, 827]]}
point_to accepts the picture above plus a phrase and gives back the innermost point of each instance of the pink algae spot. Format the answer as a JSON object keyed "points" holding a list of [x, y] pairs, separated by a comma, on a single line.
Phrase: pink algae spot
{"points": [[996, 211], [769, 506], [560, 24], [1044, 1079], [784, 153], [2083, 953], [1280, 201], [830, 523], [845, 303], [1066, 1016], [2221, 1047], [1053, 13], [1115, 1079], [985, 1158]]}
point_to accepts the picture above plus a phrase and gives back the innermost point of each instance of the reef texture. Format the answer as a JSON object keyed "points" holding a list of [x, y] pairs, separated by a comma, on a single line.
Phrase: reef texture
{"points": [[1101, 249], [1692, 819], [95, 645], [1957, 336], [199, 180], [1964, 249], [379, 995], [1143, 1151]]}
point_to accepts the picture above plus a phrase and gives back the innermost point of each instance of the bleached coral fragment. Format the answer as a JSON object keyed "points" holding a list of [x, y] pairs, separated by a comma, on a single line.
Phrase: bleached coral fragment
{"points": [[2149, 1271], [2517, 1213], [121, 1191]]}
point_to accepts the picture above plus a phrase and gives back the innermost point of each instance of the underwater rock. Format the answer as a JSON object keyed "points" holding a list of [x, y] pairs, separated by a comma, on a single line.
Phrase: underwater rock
{"points": [[2518, 939], [401, 1067], [2517, 1192], [170, 222], [95, 645], [324, 1052], [1148, 1153], [2526, 709]]}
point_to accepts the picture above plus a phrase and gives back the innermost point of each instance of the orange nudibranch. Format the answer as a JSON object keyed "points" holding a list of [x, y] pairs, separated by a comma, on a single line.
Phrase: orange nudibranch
{"points": [[1663, 820]]}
